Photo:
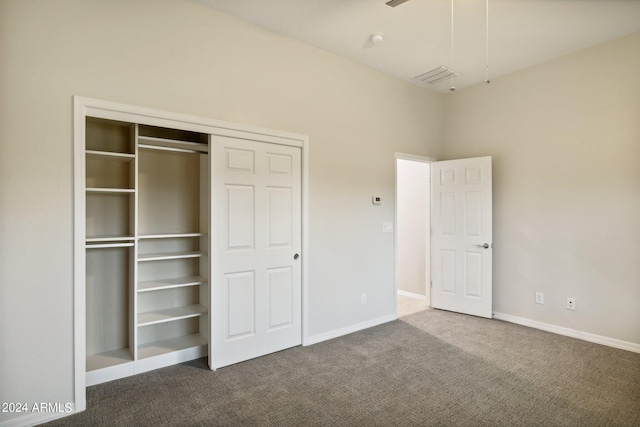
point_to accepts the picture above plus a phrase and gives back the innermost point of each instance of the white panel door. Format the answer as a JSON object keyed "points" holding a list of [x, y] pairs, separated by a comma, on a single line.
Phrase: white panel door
{"points": [[256, 240], [461, 244]]}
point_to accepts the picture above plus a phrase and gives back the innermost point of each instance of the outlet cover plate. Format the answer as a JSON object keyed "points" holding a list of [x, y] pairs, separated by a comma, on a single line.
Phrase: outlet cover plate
{"points": [[571, 303]]}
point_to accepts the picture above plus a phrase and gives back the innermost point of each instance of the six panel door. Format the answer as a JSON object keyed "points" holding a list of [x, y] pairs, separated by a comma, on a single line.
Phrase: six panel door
{"points": [[461, 243], [256, 242]]}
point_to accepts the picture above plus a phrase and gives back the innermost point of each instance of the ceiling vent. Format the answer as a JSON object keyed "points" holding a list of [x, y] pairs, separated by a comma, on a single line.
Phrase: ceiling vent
{"points": [[435, 76]]}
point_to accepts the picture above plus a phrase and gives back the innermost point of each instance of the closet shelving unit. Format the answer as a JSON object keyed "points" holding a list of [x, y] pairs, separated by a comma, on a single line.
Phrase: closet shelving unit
{"points": [[110, 244], [147, 240]]}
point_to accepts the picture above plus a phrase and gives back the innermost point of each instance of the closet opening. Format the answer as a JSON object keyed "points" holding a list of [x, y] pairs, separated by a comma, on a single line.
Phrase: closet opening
{"points": [[143, 236]]}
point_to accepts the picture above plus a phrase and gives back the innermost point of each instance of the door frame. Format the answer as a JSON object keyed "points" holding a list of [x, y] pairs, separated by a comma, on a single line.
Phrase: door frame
{"points": [[84, 107], [416, 158]]}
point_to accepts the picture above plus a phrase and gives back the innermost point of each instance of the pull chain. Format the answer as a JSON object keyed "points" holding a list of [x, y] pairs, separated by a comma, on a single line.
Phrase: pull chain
{"points": [[487, 81], [452, 88]]}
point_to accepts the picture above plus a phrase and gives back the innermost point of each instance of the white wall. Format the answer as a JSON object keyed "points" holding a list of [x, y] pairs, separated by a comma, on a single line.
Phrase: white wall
{"points": [[181, 56], [414, 209], [565, 141]]}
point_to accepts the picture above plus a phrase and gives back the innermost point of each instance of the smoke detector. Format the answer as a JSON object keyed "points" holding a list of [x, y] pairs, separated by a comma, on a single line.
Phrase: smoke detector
{"points": [[376, 38]]}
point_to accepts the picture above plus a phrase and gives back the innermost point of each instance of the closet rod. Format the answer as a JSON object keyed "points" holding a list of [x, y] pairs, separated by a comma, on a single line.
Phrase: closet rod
{"points": [[172, 143], [179, 150]]}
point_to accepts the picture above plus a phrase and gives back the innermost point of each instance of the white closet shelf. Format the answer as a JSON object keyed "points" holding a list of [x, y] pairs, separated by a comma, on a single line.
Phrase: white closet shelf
{"points": [[166, 256], [154, 285], [170, 314], [108, 358], [109, 155], [99, 239], [109, 245], [111, 190], [171, 145], [169, 236], [171, 345]]}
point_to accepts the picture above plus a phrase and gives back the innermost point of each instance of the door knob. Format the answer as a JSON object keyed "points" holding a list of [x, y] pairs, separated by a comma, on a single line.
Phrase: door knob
{"points": [[485, 246], [296, 256]]}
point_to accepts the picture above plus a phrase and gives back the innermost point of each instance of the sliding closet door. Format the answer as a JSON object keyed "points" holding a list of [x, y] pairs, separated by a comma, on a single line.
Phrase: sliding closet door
{"points": [[256, 242]]}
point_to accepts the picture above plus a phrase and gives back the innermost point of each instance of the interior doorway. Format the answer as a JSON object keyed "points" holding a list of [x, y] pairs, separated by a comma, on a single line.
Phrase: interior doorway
{"points": [[413, 225]]}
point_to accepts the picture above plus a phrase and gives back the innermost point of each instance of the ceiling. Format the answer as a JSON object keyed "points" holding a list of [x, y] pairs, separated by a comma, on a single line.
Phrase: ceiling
{"points": [[417, 34]]}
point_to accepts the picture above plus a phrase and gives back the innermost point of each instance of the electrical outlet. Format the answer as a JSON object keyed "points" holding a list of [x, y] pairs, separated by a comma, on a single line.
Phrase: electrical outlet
{"points": [[539, 298], [571, 303], [363, 299]]}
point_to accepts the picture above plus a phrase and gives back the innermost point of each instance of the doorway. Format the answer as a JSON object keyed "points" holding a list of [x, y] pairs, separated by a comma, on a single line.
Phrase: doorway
{"points": [[413, 211]]}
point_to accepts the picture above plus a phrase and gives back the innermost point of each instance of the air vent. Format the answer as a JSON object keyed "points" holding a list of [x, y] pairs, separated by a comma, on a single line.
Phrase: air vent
{"points": [[436, 76]]}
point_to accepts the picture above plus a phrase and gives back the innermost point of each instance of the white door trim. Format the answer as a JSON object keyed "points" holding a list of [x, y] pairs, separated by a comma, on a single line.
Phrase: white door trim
{"points": [[88, 107], [416, 158]]}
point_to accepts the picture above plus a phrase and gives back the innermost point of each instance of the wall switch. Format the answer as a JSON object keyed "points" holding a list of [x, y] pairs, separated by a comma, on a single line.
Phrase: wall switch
{"points": [[363, 299], [539, 298], [387, 227], [571, 303], [376, 200]]}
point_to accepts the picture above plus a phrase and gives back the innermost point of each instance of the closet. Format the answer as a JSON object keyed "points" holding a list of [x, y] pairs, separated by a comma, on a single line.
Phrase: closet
{"points": [[147, 216], [155, 282]]}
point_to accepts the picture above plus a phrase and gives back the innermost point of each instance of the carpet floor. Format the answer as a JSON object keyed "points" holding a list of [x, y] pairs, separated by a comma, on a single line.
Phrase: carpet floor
{"points": [[431, 368]]}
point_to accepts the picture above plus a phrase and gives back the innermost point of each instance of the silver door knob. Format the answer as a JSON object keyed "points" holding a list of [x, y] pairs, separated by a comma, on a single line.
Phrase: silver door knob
{"points": [[485, 246]]}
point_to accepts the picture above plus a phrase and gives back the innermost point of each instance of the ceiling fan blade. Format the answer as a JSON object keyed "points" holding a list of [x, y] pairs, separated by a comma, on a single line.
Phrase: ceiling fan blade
{"points": [[394, 3]]}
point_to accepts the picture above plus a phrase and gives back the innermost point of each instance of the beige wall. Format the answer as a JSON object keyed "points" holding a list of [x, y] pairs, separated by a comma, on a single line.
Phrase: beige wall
{"points": [[565, 141], [564, 136], [181, 56]]}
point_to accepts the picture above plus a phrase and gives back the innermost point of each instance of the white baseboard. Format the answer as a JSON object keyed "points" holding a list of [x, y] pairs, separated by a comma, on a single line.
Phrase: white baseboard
{"points": [[348, 330], [585, 336], [34, 418], [412, 295]]}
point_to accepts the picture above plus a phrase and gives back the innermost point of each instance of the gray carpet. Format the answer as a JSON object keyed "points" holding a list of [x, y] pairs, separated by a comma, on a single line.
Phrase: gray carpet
{"points": [[431, 368]]}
